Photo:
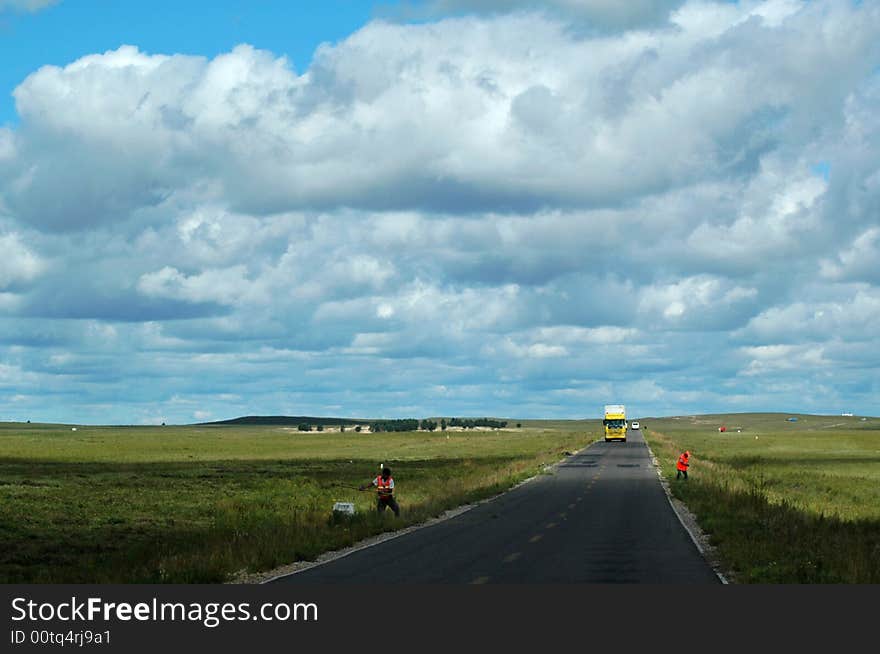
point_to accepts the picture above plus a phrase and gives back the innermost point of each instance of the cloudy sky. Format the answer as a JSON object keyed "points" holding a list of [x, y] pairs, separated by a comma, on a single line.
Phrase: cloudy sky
{"points": [[445, 207]]}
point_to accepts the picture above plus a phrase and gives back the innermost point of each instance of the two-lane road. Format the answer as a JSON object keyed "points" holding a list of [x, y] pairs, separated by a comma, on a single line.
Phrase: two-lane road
{"points": [[601, 517]]}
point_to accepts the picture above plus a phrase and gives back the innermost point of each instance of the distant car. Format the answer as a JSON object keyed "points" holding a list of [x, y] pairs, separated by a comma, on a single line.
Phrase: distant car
{"points": [[635, 425]]}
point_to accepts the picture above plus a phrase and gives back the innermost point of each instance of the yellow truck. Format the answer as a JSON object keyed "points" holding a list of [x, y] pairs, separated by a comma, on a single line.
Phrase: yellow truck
{"points": [[615, 422]]}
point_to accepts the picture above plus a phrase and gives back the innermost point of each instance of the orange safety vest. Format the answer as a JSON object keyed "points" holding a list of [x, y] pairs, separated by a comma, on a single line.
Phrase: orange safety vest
{"points": [[385, 487], [682, 462]]}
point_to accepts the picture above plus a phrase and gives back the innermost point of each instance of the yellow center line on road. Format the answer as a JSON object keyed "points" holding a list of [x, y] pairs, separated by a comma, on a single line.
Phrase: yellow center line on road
{"points": [[562, 515], [536, 538], [510, 558], [480, 580], [550, 525]]}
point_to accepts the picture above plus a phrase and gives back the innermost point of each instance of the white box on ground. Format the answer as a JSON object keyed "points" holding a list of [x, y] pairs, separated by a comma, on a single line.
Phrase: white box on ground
{"points": [[344, 507]]}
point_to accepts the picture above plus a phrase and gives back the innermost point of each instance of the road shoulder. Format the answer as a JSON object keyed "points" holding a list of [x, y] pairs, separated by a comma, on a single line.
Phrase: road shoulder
{"points": [[689, 522]]}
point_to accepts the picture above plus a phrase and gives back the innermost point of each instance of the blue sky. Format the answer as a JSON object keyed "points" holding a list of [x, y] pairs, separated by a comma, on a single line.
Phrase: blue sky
{"points": [[62, 33], [446, 207]]}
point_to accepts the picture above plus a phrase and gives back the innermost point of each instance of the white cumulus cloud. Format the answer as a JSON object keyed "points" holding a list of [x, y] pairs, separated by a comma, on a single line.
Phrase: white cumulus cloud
{"points": [[528, 204]]}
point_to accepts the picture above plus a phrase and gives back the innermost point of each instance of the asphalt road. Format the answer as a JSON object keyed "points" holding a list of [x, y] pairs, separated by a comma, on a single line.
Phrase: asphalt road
{"points": [[600, 517]]}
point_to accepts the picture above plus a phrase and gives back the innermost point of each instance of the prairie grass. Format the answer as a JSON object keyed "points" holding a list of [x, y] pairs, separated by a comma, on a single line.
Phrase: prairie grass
{"points": [[783, 502], [199, 504]]}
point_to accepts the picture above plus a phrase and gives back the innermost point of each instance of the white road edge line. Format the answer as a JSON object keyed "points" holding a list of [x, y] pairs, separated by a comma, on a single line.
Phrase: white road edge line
{"points": [[690, 533], [335, 555]]}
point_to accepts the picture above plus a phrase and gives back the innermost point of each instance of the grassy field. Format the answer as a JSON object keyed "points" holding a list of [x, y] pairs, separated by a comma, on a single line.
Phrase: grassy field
{"points": [[198, 504], [783, 502]]}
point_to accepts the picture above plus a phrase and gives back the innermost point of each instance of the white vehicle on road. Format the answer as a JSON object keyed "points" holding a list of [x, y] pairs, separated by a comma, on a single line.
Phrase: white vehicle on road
{"points": [[635, 425]]}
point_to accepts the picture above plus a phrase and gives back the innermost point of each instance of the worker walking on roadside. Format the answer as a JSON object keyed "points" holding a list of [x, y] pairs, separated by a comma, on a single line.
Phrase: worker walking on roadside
{"points": [[384, 484], [682, 465]]}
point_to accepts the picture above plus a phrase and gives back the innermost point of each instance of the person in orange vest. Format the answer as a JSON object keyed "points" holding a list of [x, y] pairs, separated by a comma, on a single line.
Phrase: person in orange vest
{"points": [[682, 465], [384, 484]]}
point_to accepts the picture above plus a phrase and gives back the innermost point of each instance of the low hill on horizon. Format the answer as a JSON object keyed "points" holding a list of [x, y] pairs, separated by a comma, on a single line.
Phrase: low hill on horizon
{"points": [[286, 420], [862, 420], [326, 421]]}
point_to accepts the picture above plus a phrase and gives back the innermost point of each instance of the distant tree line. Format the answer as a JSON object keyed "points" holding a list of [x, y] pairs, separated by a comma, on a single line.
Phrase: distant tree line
{"points": [[405, 424], [303, 426], [470, 423]]}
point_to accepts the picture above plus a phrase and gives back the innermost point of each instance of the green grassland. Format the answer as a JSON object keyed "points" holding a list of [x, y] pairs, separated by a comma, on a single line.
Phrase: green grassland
{"points": [[799, 503], [783, 502], [199, 504]]}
